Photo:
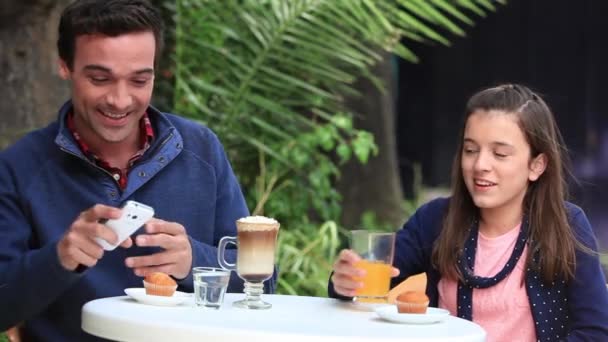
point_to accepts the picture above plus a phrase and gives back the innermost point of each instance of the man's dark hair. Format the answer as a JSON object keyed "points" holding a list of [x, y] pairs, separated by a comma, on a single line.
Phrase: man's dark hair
{"points": [[107, 17]]}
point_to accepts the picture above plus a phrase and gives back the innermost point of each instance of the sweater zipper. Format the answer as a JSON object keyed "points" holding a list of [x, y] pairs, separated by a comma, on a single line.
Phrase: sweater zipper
{"points": [[156, 148], [164, 141]]}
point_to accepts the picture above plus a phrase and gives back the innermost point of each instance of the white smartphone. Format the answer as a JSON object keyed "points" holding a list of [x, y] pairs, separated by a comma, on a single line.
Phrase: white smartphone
{"points": [[134, 215]]}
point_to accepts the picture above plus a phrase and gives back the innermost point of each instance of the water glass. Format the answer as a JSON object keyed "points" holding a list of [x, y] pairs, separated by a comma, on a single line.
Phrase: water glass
{"points": [[210, 285]]}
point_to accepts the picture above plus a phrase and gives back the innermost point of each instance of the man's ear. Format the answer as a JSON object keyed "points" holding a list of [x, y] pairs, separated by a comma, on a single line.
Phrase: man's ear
{"points": [[537, 167], [64, 70]]}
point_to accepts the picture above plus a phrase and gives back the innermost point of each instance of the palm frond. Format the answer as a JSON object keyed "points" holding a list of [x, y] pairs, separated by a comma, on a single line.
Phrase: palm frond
{"points": [[298, 51], [281, 68]]}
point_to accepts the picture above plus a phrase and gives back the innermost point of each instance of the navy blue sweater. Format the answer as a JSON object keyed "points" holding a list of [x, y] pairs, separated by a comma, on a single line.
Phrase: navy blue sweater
{"points": [[574, 311], [45, 182]]}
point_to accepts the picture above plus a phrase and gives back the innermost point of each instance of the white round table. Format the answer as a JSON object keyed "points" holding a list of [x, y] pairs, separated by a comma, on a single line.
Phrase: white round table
{"points": [[291, 318]]}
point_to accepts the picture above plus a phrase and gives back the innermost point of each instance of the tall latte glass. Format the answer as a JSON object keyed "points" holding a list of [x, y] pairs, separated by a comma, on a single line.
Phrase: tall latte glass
{"points": [[256, 241]]}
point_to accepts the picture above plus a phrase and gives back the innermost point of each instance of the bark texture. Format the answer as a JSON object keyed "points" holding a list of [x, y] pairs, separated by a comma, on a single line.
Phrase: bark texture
{"points": [[30, 86]]}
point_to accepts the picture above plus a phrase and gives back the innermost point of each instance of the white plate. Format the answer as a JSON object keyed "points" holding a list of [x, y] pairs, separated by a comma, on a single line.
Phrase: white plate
{"points": [[432, 315], [139, 294]]}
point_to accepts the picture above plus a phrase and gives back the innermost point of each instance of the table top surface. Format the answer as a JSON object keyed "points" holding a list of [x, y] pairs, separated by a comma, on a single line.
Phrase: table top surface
{"points": [[297, 318]]}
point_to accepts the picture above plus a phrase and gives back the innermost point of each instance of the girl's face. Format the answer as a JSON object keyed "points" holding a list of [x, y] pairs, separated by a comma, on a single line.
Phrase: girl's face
{"points": [[496, 163]]}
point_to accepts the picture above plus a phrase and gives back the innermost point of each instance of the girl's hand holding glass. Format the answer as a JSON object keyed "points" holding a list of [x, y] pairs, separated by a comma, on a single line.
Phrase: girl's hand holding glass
{"points": [[345, 273]]}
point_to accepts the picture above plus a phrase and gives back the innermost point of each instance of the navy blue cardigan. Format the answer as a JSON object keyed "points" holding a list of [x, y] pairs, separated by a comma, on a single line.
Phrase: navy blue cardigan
{"points": [[574, 311]]}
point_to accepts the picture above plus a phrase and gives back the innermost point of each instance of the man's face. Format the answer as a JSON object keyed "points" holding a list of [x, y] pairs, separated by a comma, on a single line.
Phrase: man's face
{"points": [[112, 81]]}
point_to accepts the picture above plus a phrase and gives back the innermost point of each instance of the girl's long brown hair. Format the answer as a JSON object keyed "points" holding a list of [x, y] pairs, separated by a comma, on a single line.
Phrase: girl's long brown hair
{"points": [[550, 234]]}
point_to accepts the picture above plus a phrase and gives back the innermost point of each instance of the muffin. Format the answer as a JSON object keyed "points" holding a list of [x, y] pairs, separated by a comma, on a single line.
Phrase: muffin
{"points": [[159, 284], [412, 302]]}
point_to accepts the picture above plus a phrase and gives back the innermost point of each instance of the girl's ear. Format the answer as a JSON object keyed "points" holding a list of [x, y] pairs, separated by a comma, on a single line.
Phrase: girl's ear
{"points": [[537, 167], [64, 71]]}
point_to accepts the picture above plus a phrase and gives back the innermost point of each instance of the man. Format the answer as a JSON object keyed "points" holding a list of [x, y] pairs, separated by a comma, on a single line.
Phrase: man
{"points": [[107, 146]]}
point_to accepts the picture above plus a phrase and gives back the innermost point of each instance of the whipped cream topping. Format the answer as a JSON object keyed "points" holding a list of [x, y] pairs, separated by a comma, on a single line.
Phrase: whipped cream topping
{"points": [[258, 219]]}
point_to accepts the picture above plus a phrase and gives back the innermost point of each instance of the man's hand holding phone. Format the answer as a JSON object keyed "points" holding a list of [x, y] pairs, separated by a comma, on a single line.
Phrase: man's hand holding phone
{"points": [[133, 216], [104, 227], [78, 245], [98, 228], [176, 257]]}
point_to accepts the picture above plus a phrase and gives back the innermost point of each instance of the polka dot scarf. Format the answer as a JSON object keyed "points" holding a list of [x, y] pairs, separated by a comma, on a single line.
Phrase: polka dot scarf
{"points": [[466, 264]]}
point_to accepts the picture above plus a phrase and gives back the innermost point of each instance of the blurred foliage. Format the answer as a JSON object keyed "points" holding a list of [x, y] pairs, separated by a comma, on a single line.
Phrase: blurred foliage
{"points": [[369, 219], [270, 76], [306, 252], [164, 80]]}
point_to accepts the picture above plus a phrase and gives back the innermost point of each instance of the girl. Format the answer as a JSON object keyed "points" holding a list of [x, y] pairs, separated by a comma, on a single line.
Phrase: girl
{"points": [[505, 250]]}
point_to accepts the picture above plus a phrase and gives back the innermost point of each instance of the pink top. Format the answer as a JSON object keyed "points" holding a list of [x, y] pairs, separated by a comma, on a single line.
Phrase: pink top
{"points": [[502, 310]]}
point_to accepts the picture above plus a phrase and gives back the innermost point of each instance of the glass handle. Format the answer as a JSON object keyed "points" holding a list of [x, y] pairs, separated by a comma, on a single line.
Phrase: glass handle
{"points": [[221, 249]]}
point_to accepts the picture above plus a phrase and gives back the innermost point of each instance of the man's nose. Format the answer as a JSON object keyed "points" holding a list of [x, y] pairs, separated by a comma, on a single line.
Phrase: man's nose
{"points": [[120, 98]]}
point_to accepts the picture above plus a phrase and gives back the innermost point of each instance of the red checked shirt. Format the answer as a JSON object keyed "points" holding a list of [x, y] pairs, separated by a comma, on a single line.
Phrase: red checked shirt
{"points": [[147, 136]]}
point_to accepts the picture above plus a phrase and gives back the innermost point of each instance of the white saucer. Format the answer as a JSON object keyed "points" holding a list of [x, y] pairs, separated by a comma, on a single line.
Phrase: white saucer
{"points": [[432, 315], [139, 294]]}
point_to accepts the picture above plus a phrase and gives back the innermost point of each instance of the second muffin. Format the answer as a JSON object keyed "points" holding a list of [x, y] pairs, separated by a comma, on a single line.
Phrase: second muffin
{"points": [[412, 302]]}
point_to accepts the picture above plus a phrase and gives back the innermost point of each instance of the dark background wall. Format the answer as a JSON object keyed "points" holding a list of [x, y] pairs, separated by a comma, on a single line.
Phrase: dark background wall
{"points": [[557, 47]]}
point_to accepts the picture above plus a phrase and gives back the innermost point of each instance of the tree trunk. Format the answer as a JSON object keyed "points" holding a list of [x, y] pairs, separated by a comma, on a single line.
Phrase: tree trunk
{"points": [[31, 88], [375, 186]]}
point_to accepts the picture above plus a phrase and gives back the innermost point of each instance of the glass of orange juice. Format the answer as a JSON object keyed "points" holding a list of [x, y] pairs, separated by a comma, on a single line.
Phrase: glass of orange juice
{"points": [[376, 250]]}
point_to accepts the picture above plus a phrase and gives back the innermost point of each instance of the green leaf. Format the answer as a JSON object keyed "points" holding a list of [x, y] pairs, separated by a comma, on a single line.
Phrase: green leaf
{"points": [[344, 152], [364, 146], [344, 122]]}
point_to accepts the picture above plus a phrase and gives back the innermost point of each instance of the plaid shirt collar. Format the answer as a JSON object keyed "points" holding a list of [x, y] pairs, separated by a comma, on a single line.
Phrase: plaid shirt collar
{"points": [[146, 138]]}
